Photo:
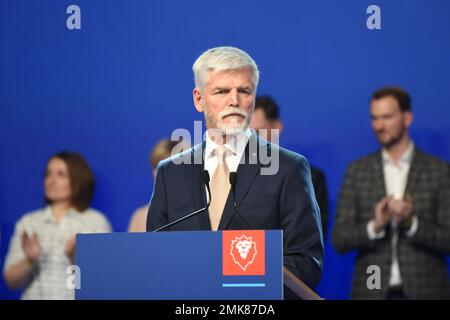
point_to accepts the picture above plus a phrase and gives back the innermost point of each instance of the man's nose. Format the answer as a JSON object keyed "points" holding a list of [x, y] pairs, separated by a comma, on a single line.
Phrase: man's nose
{"points": [[377, 124], [233, 98]]}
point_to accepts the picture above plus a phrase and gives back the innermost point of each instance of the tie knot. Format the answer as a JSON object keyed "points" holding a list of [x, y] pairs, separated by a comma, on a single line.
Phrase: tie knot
{"points": [[221, 153]]}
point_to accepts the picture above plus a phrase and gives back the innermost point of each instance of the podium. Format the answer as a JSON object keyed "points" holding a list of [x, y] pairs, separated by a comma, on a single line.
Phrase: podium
{"points": [[184, 265]]}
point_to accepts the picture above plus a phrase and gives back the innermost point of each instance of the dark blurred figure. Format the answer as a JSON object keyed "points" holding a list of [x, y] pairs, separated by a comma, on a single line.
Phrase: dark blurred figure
{"points": [[266, 121], [394, 209]]}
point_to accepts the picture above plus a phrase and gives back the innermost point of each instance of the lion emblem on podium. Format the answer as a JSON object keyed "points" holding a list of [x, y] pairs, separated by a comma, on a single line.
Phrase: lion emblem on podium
{"points": [[243, 251]]}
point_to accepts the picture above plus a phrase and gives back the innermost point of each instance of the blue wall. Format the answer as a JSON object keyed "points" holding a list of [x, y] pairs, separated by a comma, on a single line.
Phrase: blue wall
{"points": [[113, 88]]}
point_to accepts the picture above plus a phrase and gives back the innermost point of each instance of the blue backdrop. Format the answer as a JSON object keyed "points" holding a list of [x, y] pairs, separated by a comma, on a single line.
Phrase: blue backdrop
{"points": [[113, 88]]}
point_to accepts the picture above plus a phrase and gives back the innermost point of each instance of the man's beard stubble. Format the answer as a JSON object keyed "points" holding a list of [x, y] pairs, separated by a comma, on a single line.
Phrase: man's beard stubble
{"points": [[394, 140]]}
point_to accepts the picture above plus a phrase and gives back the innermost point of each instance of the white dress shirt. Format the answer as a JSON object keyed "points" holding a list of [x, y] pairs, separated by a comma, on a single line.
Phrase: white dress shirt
{"points": [[236, 146], [395, 179]]}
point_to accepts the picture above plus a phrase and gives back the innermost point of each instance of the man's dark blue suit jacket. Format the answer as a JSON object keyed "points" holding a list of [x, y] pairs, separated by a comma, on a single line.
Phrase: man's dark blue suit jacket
{"points": [[284, 200]]}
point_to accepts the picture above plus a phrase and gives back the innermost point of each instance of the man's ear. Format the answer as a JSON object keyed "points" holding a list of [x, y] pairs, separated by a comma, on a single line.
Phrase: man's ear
{"points": [[198, 99], [278, 125], [408, 118]]}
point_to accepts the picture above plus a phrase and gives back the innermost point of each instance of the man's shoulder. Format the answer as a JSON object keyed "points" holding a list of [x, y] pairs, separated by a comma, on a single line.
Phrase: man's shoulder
{"points": [[431, 162], [363, 162], [287, 158], [193, 155], [289, 155]]}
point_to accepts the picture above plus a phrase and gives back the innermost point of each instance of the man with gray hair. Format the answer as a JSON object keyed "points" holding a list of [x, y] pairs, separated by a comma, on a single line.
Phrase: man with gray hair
{"points": [[226, 80]]}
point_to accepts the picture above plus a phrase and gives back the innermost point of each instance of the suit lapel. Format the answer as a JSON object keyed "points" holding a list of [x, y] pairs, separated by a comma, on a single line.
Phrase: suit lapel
{"points": [[414, 171], [197, 190], [246, 173], [378, 180]]}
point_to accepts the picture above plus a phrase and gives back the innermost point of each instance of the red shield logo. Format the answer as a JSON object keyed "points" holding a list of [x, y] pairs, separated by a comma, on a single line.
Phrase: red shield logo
{"points": [[243, 252]]}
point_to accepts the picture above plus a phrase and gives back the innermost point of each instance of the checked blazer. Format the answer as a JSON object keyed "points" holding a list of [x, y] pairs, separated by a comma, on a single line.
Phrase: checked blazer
{"points": [[421, 257]]}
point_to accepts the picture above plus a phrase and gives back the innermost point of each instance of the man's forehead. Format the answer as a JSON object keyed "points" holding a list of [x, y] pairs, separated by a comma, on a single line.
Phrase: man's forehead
{"points": [[387, 101], [377, 112], [230, 74], [386, 104]]}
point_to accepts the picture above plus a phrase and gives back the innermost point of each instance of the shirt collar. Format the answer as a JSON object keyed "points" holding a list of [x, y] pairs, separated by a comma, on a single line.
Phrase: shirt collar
{"points": [[406, 157], [48, 215], [235, 145]]}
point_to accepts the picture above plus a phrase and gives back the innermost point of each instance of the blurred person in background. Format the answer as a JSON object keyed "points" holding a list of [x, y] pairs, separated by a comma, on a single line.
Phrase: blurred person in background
{"points": [[43, 244], [162, 150], [266, 121], [394, 210]]}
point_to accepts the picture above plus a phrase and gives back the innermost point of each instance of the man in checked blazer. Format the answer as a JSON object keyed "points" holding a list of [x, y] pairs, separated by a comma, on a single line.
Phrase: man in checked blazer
{"points": [[394, 209]]}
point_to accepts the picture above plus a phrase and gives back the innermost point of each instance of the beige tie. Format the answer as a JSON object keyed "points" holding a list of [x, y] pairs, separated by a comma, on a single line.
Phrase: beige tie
{"points": [[220, 187]]}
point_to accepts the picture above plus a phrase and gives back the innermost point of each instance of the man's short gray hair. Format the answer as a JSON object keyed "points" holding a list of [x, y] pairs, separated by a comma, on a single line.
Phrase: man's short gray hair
{"points": [[223, 58]]}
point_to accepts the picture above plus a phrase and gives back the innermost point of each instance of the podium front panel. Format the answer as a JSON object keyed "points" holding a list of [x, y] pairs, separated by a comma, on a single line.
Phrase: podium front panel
{"points": [[191, 265]]}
